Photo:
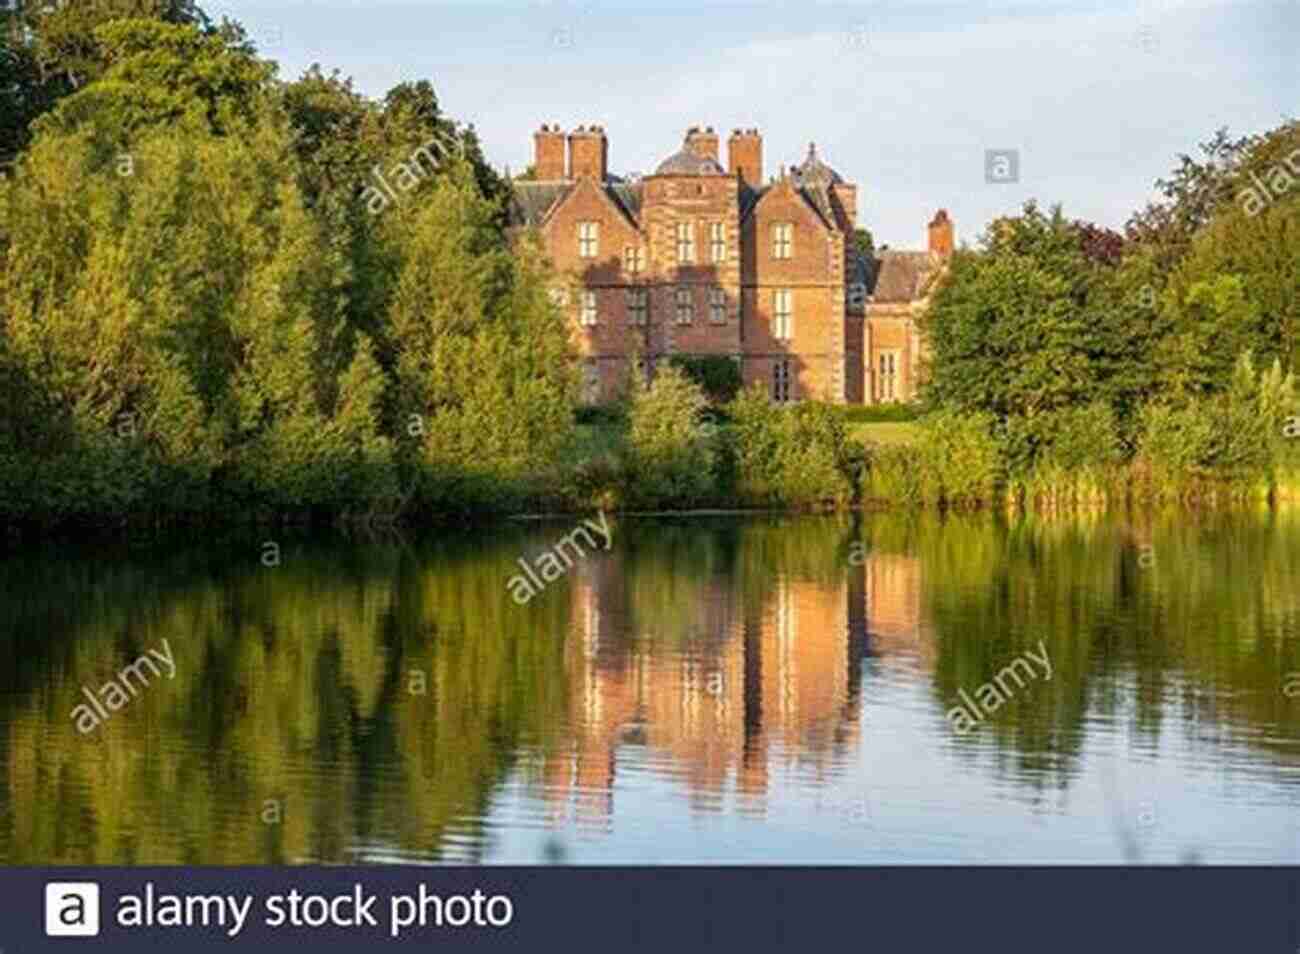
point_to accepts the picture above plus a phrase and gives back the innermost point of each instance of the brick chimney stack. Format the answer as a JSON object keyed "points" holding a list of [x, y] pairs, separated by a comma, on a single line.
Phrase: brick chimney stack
{"points": [[745, 156], [942, 237], [588, 153], [548, 153], [703, 141]]}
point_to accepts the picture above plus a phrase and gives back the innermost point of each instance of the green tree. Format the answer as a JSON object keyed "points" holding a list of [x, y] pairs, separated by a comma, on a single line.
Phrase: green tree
{"points": [[484, 386], [49, 51], [157, 73], [185, 319], [1009, 331], [795, 456], [1193, 193], [864, 242], [1259, 249], [671, 454]]}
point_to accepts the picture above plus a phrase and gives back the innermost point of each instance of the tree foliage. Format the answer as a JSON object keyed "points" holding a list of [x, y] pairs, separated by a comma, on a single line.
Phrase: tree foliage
{"points": [[671, 454], [200, 310]]}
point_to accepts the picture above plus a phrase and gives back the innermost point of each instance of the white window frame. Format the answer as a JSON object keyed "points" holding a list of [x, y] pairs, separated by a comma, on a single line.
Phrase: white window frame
{"points": [[685, 232], [783, 240], [633, 259], [718, 242], [590, 308], [783, 314], [588, 239], [889, 377]]}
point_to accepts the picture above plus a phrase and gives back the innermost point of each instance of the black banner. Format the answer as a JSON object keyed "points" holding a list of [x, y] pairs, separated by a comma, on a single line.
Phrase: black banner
{"points": [[1248, 910]]}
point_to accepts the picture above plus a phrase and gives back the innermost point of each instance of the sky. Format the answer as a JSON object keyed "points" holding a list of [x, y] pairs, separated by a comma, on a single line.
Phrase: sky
{"points": [[905, 98]]}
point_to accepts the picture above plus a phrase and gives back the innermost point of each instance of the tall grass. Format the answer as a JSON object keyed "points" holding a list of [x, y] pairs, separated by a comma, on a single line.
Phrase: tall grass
{"points": [[954, 462]]}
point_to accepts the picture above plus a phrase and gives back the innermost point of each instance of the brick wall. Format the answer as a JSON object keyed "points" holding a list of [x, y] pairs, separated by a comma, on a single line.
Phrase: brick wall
{"points": [[814, 276], [830, 354]]}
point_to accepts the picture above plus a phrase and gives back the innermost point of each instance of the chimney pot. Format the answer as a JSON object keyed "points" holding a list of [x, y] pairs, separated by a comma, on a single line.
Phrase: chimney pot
{"points": [[745, 156], [589, 153]]}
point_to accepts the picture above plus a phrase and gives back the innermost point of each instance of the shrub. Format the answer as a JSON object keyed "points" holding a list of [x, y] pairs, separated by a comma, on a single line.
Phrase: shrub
{"points": [[1229, 445], [893, 474], [604, 415], [671, 455], [717, 375], [1069, 455], [954, 461], [795, 455], [958, 458]]}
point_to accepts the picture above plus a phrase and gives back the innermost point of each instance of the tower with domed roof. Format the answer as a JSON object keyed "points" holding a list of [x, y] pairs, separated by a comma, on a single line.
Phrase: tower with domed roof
{"points": [[712, 261]]}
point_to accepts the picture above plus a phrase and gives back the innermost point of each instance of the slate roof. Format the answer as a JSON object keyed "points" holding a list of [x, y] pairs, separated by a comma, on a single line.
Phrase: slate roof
{"points": [[684, 162], [814, 172], [900, 277], [628, 195], [533, 200], [820, 200], [749, 197]]}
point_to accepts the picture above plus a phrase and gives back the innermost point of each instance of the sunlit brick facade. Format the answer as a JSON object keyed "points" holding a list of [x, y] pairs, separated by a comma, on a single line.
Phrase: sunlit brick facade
{"points": [[698, 259]]}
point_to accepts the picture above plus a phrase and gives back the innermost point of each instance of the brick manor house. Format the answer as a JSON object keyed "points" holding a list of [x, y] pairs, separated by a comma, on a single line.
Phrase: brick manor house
{"points": [[698, 259]]}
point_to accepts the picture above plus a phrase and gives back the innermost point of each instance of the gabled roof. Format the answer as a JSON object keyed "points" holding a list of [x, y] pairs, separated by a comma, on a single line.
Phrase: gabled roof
{"points": [[816, 197], [627, 194], [898, 277], [533, 202], [750, 199]]}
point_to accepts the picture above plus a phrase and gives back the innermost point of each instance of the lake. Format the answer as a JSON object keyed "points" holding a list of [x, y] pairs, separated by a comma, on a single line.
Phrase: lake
{"points": [[708, 689]]}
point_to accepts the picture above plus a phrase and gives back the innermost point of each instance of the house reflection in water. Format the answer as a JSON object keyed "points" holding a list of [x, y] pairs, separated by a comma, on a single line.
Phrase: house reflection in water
{"points": [[896, 628], [754, 687]]}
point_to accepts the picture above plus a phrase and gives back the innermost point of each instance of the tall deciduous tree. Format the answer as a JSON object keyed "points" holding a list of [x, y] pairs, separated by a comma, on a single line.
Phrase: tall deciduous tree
{"points": [[49, 51], [183, 319], [484, 380]]}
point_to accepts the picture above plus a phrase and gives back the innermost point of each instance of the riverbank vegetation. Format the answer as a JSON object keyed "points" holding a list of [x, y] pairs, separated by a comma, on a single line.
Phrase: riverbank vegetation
{"points": [[225, 295], [1154, 365]]}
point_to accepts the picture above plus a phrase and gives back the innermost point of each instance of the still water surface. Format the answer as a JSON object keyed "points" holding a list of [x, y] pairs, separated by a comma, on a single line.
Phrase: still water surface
{"points": [[707, 690]]}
